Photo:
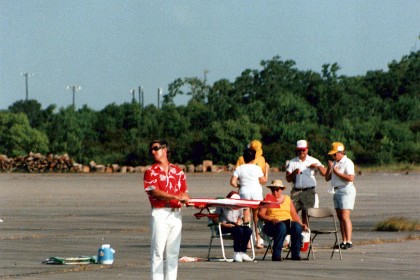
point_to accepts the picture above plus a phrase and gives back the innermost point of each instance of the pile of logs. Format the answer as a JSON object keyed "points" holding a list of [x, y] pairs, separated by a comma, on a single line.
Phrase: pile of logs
{"points": [[37, 163]]}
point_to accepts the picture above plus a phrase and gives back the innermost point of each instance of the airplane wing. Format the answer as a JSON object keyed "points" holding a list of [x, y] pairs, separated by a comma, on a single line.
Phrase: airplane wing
{"points": [[230, 203], [206, 203]]}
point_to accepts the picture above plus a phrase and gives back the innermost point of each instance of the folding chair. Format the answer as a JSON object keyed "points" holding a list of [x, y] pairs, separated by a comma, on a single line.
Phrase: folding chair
{"points": [[322, 221], [270, 248], [216, 232]]}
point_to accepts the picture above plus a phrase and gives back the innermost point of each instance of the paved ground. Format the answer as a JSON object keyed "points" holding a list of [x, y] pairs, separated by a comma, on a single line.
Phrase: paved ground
{"points": [[71, 215]]}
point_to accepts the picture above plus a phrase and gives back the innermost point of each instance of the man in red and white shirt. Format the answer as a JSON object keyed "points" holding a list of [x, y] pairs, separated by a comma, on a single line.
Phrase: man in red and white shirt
{"points": [[165, 184]]}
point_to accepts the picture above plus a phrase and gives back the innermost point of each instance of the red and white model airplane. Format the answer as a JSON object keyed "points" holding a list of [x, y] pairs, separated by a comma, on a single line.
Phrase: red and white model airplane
{"points": [[206, 203]]}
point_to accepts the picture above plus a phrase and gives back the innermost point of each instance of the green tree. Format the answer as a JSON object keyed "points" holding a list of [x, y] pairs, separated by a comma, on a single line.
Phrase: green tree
{"points": [[37, 117], [227, 139], [17, 138], [66, 133]]}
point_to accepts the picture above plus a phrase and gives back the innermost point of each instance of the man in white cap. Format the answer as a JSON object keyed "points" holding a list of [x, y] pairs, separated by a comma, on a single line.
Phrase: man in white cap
{"points": [[301, 171]]}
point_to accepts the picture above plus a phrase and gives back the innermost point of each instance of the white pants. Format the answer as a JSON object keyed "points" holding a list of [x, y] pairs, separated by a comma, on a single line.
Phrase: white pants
{"points": [[166, 227]]}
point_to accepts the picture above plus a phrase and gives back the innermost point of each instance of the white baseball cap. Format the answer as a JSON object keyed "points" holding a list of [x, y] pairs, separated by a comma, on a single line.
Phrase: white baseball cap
{"points": [[301, 145]]}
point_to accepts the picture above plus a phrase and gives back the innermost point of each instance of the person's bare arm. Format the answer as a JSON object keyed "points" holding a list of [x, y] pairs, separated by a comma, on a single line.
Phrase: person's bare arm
{"points": [[345, 177], [290, 176], [263, 180], [158, 194], [295, 216], [322, 169], [234, 181], [329, 171], [262, 214]]}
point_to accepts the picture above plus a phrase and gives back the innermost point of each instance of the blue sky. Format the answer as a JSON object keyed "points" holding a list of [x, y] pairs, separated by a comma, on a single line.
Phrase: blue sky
{"points": [[109, 47]]}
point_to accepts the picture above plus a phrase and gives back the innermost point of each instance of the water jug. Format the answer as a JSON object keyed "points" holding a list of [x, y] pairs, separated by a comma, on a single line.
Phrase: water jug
{"points": [[106, 254], [306, 238]]}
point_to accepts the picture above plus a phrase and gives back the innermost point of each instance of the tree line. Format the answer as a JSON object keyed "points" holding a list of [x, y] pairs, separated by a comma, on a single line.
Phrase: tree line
{"points": [[376, 115]]}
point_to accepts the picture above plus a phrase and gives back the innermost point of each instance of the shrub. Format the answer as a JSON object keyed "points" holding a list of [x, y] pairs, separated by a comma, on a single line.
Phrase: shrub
{"points": [[397, 224]]}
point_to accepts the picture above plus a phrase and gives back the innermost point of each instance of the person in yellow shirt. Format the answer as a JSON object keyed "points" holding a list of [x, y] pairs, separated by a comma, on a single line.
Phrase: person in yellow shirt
{"points": [[282, 221], [259, 159]]}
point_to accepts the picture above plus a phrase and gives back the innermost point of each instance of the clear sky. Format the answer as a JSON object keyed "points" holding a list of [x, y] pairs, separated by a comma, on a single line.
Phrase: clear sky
{"points": [[109, 47]]}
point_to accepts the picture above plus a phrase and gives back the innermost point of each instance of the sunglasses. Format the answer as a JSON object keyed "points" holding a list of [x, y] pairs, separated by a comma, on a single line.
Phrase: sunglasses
{"points": [[156, 148], [275, 189]]}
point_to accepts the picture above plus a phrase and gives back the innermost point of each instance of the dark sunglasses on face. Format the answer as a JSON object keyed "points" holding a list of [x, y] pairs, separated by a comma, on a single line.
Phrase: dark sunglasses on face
{"points": [[275, 189], [156, 148]]}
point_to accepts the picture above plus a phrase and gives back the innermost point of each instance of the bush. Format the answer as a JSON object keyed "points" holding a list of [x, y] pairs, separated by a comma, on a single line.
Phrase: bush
{"points": [[397, 224]]}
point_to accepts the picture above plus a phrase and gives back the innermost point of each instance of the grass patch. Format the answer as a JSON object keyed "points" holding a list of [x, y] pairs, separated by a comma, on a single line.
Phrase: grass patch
{"points": [[397, 224], [397, 167], [383, 241]]}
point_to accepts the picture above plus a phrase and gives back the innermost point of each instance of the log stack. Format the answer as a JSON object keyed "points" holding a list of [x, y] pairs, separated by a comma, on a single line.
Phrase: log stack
{"points": [[37, 163]]}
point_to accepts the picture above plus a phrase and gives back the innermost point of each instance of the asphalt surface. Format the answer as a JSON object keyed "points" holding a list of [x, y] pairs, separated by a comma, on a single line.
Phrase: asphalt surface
{"points": [[69, 215]]}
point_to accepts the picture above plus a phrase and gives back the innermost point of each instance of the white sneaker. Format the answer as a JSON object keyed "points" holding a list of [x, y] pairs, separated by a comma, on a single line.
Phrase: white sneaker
{"points": [[237, 257], [245, 257]]}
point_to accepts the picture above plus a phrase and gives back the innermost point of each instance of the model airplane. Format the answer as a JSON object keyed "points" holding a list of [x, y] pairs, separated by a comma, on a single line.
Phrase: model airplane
{"points": [[206, 203]]}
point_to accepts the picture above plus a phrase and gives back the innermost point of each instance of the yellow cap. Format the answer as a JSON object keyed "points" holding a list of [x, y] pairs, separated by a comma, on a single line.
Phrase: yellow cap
{"points": [[336, 147]]}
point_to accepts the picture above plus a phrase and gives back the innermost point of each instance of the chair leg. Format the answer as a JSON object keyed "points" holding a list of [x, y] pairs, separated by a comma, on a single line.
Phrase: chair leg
{"points": [[252, 248], [311, 247], [268, 248], [208, 254], [223, 247], [288, 253], [339, 248], [335, 244]]}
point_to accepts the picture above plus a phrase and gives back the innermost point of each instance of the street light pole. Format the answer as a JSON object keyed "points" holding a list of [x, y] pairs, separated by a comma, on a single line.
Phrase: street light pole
{"points": [[158, 96], [26, 75], [132, 92], [74, 88], [141, 97]]}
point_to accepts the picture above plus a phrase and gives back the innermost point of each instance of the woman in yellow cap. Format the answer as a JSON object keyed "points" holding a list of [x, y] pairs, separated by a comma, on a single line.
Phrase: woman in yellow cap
{"points": [[341, 174], [259, 158]]}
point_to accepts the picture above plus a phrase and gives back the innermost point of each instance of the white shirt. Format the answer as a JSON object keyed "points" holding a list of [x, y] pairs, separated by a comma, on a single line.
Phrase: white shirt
{"points": [[346, 166], [249, 175], [228, 214], [306, 178]]}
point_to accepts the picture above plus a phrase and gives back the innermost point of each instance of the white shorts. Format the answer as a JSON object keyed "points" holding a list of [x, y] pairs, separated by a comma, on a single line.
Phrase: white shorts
{"points": [[344, 198], [252, 196]]}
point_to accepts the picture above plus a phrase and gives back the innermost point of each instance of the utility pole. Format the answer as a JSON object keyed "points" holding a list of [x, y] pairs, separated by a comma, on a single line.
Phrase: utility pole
{"points": [[74, 88], [26, 75]]}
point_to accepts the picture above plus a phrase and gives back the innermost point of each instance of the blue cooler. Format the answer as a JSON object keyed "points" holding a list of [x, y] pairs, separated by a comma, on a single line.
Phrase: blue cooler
{"points": [[106, 254]]}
